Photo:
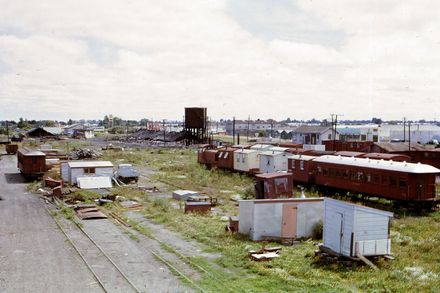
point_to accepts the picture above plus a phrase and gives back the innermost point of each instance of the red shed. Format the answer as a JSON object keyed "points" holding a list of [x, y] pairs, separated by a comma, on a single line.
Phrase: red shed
{"points": [[273, 185], [225, 158]]}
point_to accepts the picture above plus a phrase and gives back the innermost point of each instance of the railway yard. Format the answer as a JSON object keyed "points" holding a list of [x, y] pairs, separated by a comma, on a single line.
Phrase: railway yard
{"points": [[140, 239]]}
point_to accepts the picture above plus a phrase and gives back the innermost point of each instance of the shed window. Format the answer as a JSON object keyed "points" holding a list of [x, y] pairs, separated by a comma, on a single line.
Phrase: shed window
{"points": [[89, 170], [220, 155], [293, 164], [243, 158], [238, 158], [226, 155], [301, 165]]}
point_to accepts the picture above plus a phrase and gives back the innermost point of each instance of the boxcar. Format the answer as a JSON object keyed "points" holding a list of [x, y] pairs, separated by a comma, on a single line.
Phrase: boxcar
{"points": [[31, 162], [387, 179], [389, 157], [225, 158]]}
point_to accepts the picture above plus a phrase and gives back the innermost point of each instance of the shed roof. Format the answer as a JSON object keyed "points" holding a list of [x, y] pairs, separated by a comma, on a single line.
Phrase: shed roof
{"points": [[246, 151], [358, 207], [385, 165], [273, 175], [279, 149], [271, 153], [30, 152], [385, 156], [283, 200], [261, 146], [89, 164]]}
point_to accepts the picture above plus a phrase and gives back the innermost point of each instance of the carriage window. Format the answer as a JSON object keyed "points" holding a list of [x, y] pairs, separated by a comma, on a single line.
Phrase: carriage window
{"points": [[402, 183], [325, 172], [243, 158], [368, 177], [220, 155], [301, 165], [226, 156], [331, 172], [319, 170], [345, 175], [385, 180], [393, 181], [376, 179], [293, 164], [352, 176], [338, 173], [238, 158], [360, 176]]}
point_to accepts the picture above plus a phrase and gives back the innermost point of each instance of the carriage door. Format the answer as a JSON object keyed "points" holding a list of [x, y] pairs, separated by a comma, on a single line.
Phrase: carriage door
{"points": [[288, 224], [419, 187]]}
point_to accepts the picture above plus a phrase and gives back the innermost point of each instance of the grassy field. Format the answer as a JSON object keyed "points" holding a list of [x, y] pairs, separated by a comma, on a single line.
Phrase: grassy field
{"points": [[415, 240]]}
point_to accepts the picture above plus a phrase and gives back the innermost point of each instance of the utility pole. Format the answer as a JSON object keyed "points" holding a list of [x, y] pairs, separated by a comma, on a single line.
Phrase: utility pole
{"points": [[164, 131], [248, 123], [409, 138], [233, 130], [404, 129], [7, 129], [334, 125]]}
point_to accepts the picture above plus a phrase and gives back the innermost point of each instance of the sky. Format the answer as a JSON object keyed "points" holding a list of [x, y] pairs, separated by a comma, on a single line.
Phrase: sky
{"points": [[302, 59]]}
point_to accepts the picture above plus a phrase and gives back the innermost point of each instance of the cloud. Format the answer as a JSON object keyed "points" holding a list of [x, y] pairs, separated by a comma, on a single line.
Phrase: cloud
{"points": [[277, 59]]}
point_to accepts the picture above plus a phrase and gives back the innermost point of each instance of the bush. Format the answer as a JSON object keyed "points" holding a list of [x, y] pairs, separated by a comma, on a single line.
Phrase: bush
{"points": [[317, 230]]}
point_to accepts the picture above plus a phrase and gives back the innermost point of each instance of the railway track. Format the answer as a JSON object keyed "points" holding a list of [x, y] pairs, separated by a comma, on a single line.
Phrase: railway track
{"points": [[105, 271]]}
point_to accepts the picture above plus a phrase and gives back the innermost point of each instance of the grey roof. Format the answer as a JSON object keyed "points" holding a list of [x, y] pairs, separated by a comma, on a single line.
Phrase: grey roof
{"points": [[311, 129], [402, 147]]}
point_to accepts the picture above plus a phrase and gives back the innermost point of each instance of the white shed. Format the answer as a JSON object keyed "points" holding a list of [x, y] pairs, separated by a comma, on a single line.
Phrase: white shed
{"points": [[352, 230], [284, 218], [272, 161], [246, 159], [71, 170]]}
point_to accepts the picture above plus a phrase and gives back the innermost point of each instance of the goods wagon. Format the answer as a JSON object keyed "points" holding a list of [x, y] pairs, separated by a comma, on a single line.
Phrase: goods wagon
{"points": [[30, 162]]}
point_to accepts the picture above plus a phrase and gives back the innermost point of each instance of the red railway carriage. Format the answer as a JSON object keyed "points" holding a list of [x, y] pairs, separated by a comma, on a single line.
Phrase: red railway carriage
{"points": [[386, 179], [301, 167], [384, 156]]}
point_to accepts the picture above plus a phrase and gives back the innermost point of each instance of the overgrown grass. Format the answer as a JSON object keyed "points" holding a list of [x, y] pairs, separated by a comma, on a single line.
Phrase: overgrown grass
{"points": [[415, 240]]}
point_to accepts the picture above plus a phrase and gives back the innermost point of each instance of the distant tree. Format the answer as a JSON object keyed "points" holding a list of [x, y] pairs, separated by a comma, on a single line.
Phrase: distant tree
{"points": [[375, 120], [106, 121], [261, 133], [117, 121], [49, 123], [23, 124], [70, 122], [288, 120]]}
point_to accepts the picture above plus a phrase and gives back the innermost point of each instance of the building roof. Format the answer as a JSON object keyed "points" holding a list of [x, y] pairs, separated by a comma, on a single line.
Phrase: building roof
{"points": [[54, 130], [302, 157], [402, 146], [311, 129], [279, 149], [385, 156], [381, 164], [349, 131], [89, 164]]}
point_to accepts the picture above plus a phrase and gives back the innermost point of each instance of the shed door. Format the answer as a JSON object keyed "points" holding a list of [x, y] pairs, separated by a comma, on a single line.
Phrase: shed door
{"points": [[419, 188], [288, 225], [339, 222]]}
